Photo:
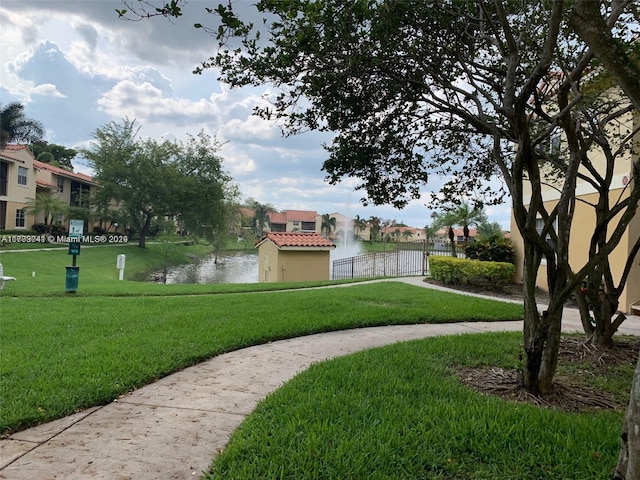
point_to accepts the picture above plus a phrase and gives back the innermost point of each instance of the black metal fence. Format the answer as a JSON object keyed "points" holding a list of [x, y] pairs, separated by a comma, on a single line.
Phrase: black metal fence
{"points": [[409, 258]]}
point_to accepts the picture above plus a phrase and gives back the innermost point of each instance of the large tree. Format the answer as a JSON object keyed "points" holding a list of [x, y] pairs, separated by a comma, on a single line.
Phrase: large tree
{"points": [[150, 180], [465, 90], [59, 155], [15, 126], [594, 29], [204, 192]]}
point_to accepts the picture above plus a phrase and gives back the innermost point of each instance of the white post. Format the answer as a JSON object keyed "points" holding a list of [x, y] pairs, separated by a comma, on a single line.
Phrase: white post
{"points": [[120, 264]]}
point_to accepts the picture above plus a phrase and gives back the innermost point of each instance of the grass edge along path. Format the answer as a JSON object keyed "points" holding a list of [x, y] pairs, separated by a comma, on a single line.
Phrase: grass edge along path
{"points": [[400, 412], [61, 355]]}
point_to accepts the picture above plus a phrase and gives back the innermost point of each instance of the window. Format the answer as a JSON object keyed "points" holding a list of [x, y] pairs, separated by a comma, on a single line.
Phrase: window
{"points": [[60, 184], [20, 218], [79, 194], [22, 175], [309, 226], [4, 170], [539, 227]]}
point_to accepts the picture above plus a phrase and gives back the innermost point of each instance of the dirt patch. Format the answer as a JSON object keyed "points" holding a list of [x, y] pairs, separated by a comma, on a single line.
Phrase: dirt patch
{"points": [[574, 393]]}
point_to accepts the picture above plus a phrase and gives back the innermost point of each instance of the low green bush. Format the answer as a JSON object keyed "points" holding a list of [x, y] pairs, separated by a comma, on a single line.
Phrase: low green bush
{"points": [[458, 271], [492, 250], [56, 229]]}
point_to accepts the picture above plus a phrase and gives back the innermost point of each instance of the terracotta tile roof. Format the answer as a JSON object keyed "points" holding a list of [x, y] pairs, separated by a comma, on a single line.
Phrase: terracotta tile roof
{"points": [[459, 232], [277, 217], [301, 215], [41, 183], [297, 239], [62, 171], [10, 157]]}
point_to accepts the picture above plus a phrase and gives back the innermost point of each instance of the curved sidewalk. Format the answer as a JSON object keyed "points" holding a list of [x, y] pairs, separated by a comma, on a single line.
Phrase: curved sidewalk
{"points": [[171, 429]]}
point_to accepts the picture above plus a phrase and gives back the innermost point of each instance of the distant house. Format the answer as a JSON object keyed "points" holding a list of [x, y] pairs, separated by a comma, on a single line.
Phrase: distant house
{"points": [[403, 234], [294, 257], [73, 188], [294, 221]]}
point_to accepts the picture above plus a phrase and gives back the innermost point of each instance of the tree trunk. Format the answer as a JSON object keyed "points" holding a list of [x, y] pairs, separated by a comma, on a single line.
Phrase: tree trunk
{"points": [[541, 333], [142, 241], [597, 311], [585, 315], [628, 467], [452, 241]]}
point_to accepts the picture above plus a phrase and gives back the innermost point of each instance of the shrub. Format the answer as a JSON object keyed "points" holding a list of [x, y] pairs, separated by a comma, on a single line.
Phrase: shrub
{"points": [[40, 228], [493, 250], [458, 271], [57, 229]]}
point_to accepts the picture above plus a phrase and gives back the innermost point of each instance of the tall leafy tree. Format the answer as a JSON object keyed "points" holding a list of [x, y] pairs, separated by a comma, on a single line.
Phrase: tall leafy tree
{"points": [[54, 154], [205, 194], [466, 90], [588, 21], [15, 126], [150, 180]]}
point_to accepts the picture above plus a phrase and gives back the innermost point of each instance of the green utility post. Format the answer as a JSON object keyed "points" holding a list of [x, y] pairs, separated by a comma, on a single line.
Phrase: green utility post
{"points": [[76, 228]]}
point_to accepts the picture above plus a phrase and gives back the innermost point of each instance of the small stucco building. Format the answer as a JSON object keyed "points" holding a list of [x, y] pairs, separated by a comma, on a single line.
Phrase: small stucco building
{"points": [[294, 257]]}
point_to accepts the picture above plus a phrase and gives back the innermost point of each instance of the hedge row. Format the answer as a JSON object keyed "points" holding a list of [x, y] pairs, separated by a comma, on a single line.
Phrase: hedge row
{"points": [[458, 271]]}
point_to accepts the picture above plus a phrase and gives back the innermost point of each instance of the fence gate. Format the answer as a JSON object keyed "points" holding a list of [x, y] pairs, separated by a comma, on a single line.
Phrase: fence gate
{"points": [[409, 258]]}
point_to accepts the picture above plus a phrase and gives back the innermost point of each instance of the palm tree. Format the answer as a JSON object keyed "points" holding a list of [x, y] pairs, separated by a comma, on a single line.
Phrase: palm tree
{"points": [[375, 227], [359, 224], [49, 205], [407, 234], [465, 216], [328, 224], [447, 219], [14, 126]]}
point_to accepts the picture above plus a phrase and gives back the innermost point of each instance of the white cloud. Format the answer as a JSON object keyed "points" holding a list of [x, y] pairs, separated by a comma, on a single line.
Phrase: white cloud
{"points": [[47, 89]]}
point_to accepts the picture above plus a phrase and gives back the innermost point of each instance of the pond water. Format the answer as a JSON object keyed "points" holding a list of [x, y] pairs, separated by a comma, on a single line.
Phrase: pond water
{"points": [[229, 268], [239, 267]]}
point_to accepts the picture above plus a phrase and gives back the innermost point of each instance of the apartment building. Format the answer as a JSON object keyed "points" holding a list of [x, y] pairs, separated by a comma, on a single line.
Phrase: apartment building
{"points": [[22, 177]]}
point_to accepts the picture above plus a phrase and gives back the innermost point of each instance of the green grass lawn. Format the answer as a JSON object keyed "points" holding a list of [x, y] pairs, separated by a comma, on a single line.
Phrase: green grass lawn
{"points": [[395, 412], [400, 412], [61, 354]]}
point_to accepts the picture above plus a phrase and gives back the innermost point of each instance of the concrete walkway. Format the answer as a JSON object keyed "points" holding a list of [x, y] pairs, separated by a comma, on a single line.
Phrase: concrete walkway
{"points": [[171, 429]]}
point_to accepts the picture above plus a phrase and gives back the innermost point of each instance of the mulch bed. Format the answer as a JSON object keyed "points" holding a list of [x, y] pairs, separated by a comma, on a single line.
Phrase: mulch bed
{"points": [[569, 394]]}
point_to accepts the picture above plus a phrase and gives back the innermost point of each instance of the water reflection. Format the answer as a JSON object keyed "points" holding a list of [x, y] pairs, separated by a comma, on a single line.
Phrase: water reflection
{"points": [[230, 268]]}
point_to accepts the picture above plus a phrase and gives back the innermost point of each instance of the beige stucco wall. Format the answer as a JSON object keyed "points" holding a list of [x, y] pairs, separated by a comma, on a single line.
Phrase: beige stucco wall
{"points": [[303, 265], [267, 262], [18, 196], [292, 265], [581, 231]]}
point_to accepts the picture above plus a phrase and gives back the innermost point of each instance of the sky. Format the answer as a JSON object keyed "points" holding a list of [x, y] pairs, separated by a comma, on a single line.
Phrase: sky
{"points": [[76, 67]]}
